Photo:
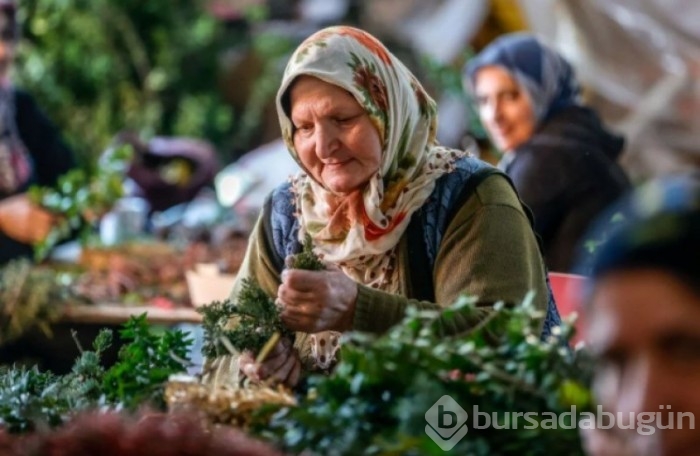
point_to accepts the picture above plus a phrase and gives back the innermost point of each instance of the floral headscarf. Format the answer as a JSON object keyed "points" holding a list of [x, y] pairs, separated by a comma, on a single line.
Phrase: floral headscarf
{"points": [[546, 76], [362, 242]]}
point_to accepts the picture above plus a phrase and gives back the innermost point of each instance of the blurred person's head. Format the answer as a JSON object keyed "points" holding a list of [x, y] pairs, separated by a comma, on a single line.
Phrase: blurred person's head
{"points": [[643, 318], [517, 82], [120, 434]]}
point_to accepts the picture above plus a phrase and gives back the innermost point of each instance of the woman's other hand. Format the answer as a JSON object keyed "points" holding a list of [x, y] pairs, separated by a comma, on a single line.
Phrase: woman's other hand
{"points": [[24, 221], [315, 301], [282, 365]]}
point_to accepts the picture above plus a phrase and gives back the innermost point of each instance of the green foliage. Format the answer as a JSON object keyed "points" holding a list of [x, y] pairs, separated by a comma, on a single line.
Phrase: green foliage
{"points": [[307, 259], [145, 363], [100, 66], [30, 399], [376, 399], [29, 298], [245, 325], [80, 196], [254, 319]]}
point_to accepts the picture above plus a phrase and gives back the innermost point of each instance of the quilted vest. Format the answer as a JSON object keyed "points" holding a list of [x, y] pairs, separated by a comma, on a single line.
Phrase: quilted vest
{"points": [[425, 230]]}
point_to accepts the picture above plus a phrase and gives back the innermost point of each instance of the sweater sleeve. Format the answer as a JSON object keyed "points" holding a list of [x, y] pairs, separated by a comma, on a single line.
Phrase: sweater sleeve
{"points": [[488, 251], [257, 263]]}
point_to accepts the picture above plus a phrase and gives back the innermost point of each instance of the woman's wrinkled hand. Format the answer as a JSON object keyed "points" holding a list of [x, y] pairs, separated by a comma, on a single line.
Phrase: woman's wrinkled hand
{"points": [[315, 301], [282, 365], [24, 221]]}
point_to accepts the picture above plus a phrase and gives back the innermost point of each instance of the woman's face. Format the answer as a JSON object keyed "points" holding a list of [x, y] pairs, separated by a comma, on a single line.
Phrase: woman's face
{"points": [[333, 135], [644, 328], [504, 107]]}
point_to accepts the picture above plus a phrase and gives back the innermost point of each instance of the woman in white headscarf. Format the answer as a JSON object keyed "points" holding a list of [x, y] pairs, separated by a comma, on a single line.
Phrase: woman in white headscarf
{"points": [[399, 219]]}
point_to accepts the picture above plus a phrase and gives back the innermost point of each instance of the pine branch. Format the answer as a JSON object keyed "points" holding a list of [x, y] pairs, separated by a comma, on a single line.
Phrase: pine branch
{"points": [[254, 320], [307, 259], [247, 325]]}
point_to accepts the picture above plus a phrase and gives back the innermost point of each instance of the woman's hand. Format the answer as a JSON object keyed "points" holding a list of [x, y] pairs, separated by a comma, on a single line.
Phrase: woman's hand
{"points": [[281, 365], [24, 221], [314, 301]]}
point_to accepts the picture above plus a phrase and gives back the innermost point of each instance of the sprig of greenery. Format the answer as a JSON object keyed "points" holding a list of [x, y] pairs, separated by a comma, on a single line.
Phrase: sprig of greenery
{"points": [[145, 364], [307, 259], [246, 324], [31, 399], [376, 399], [79, 197], [254, 319], [30, 297]]}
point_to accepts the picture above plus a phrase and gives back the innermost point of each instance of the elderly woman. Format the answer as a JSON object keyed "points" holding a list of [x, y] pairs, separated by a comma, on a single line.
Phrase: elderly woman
{"points": [[561, 158], [399, 220], [644, 322]]}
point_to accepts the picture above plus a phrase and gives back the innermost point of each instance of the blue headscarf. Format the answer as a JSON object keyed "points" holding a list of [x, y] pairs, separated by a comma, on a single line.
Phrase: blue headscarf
{"points": [[545, 75]]}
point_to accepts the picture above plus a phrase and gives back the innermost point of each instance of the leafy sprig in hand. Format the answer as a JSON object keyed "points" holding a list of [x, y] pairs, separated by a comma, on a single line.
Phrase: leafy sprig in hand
{"points": [[252, 322], [306, 259], [247, 324]]}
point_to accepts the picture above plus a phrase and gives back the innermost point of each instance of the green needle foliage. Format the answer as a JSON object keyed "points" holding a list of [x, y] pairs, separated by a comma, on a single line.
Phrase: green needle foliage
{"points": [[31, 399], [376, 399], [245, 325], [307, 259], [145, 364], [250, 322], [30, 297]]}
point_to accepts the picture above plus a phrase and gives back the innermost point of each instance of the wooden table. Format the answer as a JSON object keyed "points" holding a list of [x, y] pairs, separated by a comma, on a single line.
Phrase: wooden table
{"points": [[115, 314]]}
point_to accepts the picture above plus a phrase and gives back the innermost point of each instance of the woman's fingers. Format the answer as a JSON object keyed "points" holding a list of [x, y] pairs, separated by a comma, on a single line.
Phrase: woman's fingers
{"points": [[303, 281], [294, 375], [276, 358], [290, 295], [285, 370], [248, 366]]}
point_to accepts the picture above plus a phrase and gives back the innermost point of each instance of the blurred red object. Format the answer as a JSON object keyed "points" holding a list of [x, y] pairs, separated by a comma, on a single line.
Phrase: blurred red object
{"points": [[568, 293]]}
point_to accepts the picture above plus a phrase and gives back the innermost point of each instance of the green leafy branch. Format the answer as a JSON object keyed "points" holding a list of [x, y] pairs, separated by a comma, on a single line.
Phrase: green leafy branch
{"points": [[254, 319], [30, 297], [245, 325], [31, 399], [79, 198], [376, 399]]}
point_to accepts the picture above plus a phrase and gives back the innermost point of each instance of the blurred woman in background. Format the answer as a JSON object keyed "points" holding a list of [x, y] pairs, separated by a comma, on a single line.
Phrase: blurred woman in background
{"points": [[31, 152], [560, 156]]}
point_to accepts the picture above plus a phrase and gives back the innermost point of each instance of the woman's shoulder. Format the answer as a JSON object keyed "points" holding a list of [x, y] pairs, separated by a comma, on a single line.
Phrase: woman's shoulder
{"points": [[470, 178], [23, 99], [470, 173], [280, 206], [572, 132]]}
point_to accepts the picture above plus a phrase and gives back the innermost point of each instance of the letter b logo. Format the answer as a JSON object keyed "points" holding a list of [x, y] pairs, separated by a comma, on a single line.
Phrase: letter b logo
{"points": [[447, 423]]}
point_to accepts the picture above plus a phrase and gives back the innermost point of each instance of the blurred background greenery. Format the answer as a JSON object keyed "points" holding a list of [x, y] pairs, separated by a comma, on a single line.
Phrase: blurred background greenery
{"points": [[174, 68], [154, 67]]}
